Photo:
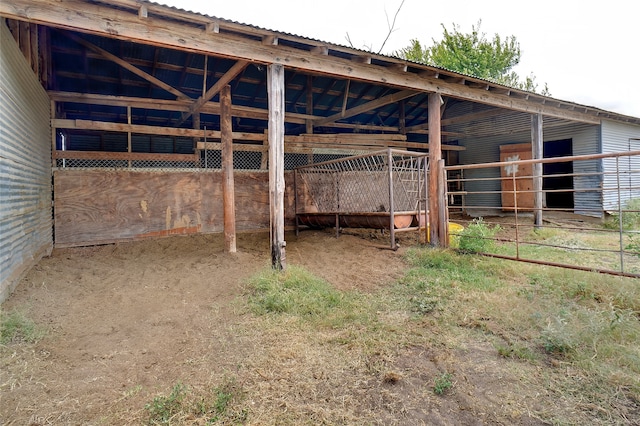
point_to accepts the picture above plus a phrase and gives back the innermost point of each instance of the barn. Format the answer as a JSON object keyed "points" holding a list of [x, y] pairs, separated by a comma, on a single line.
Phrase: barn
{"points": [[126, 119]]}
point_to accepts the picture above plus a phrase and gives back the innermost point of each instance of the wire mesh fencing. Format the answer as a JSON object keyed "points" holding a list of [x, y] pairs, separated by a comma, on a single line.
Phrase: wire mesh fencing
{"points": [[585, 214], [382, 181], [246, 157]]}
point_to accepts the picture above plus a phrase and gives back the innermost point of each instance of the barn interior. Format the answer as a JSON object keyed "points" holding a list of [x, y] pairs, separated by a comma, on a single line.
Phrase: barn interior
{"points": [[136, 94]]}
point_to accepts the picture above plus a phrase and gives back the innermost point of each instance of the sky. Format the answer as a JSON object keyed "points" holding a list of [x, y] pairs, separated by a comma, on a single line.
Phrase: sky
{"points": [[587, 52]]}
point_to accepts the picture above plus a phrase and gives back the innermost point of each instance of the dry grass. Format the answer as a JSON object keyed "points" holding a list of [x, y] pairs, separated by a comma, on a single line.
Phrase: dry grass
{"points": [[457, 339]]}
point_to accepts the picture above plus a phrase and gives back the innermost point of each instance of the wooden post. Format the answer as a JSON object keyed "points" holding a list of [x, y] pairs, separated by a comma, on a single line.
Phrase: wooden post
{"points": [[537, 154], [436, 225], [275, 92], [309, 111], [129, 145], [228, 197]]}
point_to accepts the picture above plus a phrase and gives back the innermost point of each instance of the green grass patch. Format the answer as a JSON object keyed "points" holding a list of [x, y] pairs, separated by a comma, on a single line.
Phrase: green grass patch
{"points": [[183, 405], [295, 292], [16, 327]]}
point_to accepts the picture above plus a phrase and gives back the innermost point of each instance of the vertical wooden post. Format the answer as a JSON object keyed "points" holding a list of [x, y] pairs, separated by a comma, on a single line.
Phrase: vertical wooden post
{"points": [[275, 92], [435, 180], [309, 111], [228, 196], [537, 154], [129, 145]]}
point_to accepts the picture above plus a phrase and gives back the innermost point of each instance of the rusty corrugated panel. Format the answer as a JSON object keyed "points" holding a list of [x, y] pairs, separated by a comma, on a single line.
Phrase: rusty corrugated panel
{"points": [[25, 166]]}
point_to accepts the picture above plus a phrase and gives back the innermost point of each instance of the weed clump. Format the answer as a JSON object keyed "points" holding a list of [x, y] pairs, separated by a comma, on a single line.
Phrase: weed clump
{"points": [[16, 327], [629, 218], [478, 237], [442, 383], [212, 406]]}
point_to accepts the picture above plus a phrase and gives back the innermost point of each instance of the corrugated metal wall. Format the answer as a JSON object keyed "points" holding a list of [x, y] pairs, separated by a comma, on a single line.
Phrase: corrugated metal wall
{"points": [[513, 128], [25, 166], [620, 137]]}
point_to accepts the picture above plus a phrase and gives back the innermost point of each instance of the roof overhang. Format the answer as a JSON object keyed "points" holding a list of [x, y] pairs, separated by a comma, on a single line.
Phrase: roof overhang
{"points": [[153, 24]]}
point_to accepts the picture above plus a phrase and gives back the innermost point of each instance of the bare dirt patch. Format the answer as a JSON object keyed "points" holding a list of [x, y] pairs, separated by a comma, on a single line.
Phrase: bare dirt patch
{"points": [[127, 322]]}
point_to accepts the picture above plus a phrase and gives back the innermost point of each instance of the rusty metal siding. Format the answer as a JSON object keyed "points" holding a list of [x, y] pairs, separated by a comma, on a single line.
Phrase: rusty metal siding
{"points": [[25, 166], [620, 137]]}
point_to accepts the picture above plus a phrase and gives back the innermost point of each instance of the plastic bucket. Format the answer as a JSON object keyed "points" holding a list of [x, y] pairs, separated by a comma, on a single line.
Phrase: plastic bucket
{"points": [[455, 229]]}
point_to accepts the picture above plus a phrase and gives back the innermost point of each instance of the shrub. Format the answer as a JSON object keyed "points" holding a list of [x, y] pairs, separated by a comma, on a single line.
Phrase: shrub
{"points": [[630, 216], [477, 237]]}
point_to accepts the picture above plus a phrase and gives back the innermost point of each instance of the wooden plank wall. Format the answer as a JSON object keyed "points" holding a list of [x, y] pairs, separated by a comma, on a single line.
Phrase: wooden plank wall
{"points": [[107, 206]]}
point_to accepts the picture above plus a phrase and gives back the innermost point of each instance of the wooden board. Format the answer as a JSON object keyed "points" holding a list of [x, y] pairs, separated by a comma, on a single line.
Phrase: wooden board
{"points": [[523, 175], [107, 206]]}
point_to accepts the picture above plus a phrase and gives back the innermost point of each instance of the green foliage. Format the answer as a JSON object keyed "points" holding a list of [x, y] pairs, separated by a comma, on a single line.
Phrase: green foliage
{"points": [[442, 383], [477, 237], [630, 217], [15, 327], [163, 408], [634, 245], [474, 54]]}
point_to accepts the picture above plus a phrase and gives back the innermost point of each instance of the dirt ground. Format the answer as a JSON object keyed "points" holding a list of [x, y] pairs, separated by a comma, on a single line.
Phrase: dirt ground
{"points": [[127, 321]]}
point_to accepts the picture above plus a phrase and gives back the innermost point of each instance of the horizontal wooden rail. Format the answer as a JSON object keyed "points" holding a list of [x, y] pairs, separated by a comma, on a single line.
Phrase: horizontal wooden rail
{"points": [[132, 156]]}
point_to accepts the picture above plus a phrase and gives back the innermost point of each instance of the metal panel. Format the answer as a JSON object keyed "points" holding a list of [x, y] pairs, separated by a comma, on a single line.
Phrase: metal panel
{"points": [[25, 166], [514, 128], [620, 137]]}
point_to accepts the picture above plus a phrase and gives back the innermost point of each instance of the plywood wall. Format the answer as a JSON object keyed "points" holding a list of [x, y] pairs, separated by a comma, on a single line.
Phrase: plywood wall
{"points": [[105, 206]]}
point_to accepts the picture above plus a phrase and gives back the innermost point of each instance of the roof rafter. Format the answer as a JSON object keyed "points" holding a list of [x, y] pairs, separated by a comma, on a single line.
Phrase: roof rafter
{"points": [[124, 64], [369, 106], [213, 90]]}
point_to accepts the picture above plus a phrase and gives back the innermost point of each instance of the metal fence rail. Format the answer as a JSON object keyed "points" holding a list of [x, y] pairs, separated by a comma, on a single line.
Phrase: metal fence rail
{"points": [[593, 224]]}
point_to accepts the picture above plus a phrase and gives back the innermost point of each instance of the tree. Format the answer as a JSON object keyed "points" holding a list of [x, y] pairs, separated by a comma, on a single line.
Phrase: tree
{"points": [[474, 54]]}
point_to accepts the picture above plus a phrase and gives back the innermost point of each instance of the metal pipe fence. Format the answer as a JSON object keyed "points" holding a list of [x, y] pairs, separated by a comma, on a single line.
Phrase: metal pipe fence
{"points": [[590, 213]]}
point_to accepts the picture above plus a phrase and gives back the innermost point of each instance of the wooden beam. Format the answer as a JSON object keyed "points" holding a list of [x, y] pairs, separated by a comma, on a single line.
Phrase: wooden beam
{"points": [[160, 30], [228, 198], [113, 58], [270, 40], [213, 90], [309, 104], [436, 234], [537, 139], [131, 156], [369, 106], [185, 104], [212, 27], [460, 119], [275, 93]]}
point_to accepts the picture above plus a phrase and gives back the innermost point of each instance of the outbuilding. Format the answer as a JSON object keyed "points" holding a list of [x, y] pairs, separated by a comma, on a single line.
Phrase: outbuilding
{"points": [[125, 119]]}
